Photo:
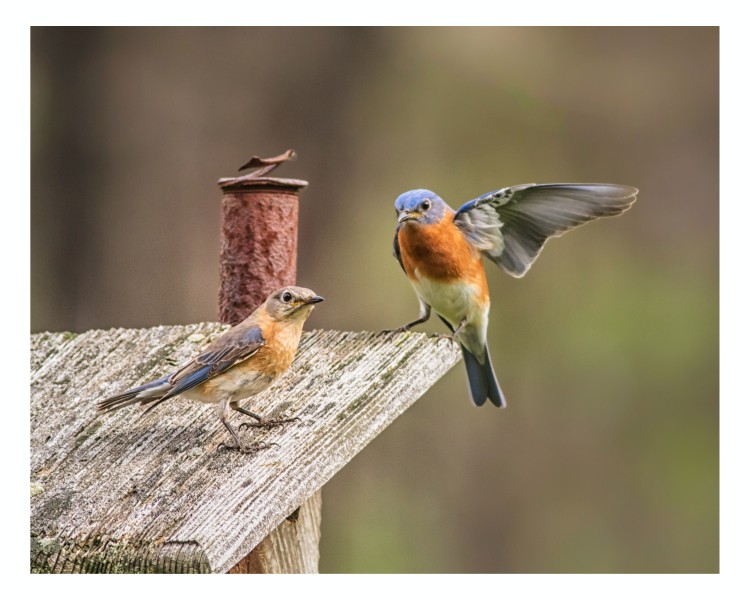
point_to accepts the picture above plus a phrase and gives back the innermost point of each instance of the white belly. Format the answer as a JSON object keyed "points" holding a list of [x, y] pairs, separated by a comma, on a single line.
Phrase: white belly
{"points": [[456, 302], [453, 301]]}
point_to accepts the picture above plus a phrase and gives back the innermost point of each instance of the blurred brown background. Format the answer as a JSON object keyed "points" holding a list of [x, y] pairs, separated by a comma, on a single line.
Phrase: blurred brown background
{"points": [[607, 458]]}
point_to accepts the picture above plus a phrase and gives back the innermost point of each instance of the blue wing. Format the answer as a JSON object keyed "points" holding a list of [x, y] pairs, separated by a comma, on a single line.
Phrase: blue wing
{"points": [[511, 225], [236, 345], [397, 251]]}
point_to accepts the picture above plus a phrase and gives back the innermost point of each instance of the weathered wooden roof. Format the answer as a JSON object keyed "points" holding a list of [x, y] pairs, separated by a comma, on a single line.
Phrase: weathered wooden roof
{"points": [[124, 493]]}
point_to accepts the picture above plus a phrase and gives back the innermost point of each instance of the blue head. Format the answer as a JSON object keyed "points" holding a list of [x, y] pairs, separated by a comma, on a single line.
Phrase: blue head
{"points": [[420, 206]]}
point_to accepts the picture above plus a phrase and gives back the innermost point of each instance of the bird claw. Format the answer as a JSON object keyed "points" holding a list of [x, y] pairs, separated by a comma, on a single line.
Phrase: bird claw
{"points": [[443, 336], [268, 423]]}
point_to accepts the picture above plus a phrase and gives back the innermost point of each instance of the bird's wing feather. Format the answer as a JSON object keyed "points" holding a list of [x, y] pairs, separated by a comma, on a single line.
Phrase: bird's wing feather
{"points": [[397, 251], [511, 225], [233, 347]]}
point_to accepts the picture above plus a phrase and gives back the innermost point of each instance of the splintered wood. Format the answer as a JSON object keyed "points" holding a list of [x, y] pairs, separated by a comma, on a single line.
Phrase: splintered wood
{"points": [[121, 493]]}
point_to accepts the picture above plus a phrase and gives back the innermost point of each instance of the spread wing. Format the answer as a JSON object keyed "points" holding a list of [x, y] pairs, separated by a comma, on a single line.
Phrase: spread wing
{"points": [[511, 225], [236, 345]]}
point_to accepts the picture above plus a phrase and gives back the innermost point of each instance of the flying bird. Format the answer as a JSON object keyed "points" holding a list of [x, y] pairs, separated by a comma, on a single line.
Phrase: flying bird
{"points": [[441, 251]]}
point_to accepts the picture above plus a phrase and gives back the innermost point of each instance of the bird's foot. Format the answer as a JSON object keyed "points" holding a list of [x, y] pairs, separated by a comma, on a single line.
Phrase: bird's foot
{"points": [[268, 423], [247, 448], [444, 336]]}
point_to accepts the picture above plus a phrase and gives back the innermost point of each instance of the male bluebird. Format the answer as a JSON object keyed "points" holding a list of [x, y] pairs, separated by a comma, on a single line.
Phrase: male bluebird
{"points": [[240, 363], [440, 251]]}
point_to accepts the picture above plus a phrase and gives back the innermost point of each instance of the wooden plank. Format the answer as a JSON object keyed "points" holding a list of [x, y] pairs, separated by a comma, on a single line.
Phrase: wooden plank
{"points": [[290, 548], [121, 492]]}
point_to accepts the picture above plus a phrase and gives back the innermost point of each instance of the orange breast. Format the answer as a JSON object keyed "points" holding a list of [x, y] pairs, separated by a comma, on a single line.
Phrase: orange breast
{"points": [[440, 252], [282, 339]]}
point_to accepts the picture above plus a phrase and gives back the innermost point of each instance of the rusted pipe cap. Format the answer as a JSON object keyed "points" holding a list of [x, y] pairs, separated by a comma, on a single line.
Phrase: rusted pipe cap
{"points": [[248, 182]]}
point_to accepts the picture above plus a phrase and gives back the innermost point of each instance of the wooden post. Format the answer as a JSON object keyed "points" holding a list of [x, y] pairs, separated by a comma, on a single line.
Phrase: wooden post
{"points": [[259, 255], [290, 548]]}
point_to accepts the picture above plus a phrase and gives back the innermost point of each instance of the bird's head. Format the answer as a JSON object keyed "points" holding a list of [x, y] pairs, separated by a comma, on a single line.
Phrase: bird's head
{"points": [[291, 303], [420, 206]]}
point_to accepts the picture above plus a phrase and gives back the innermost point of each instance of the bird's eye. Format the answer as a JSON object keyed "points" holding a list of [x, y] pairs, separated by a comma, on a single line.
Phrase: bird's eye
{"points": [[426, 205], [286, 297]]}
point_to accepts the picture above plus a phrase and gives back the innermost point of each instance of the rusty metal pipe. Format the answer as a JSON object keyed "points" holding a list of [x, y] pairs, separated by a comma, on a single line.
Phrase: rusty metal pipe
{"points": [[258, 241]]}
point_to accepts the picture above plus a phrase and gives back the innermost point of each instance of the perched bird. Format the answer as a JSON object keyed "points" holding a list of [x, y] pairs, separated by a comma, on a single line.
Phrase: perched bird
{"points": [[441, 250], [244, 361]]}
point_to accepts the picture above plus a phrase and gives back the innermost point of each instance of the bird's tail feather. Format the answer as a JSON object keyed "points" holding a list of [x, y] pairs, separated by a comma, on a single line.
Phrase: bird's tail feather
{"points": [[148, 392], [482, 381]]}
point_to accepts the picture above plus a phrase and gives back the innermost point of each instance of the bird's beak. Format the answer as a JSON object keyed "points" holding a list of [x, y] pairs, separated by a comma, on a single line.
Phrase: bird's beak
{"points": [[315, 300], [407, 216]]}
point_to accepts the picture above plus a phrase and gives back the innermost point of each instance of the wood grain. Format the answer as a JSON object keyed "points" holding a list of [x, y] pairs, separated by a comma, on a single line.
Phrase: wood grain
{"points": [[121, 493], [293, 547]]}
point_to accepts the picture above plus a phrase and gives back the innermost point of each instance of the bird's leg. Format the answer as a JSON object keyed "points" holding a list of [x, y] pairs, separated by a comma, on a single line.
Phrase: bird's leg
{"points": [[262, 421], [245, 449], [223, 415], [448, 336], [459, 328], [424, 314]]}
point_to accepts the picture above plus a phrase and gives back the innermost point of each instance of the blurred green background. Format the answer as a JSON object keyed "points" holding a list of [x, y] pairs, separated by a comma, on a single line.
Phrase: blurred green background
{"points": [[607, 458]]}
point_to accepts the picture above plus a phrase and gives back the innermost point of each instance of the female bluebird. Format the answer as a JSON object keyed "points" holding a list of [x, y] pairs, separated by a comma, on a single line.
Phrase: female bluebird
{"points": [[441, 253], [244, 361]]}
